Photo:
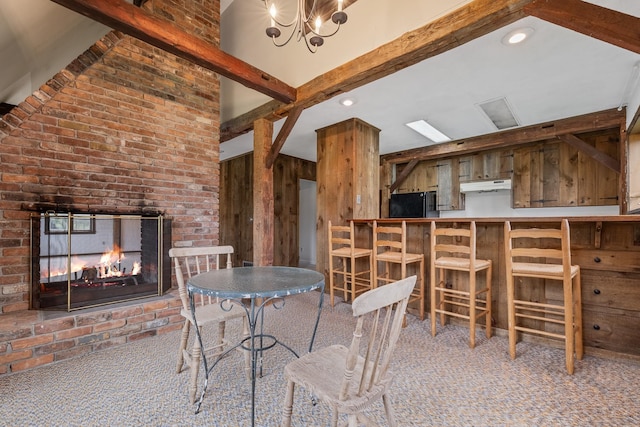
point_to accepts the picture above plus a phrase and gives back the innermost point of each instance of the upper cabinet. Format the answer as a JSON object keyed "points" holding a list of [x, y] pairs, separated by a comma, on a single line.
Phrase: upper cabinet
{"points": [[556, 174], [578, 171]]}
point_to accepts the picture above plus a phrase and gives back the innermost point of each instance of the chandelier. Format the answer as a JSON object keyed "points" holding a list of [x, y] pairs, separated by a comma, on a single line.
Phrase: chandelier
{"points": [[301, 24]]}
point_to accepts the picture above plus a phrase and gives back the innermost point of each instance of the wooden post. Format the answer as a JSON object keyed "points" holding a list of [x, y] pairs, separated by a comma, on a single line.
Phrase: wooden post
{"points": [[263, 213]]}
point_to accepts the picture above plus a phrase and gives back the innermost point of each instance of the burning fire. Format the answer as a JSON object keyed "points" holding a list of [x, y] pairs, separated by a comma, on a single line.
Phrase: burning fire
{"points": [[108, 266]]}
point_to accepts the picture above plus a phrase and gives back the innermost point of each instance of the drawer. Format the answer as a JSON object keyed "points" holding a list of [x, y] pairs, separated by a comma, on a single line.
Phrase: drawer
{"points": [[614, 330], [604, 289]]}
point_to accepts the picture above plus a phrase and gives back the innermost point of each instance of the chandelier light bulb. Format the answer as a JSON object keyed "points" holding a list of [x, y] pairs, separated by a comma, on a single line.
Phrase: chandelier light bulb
{"points": [[272, 12], [302, 25]]}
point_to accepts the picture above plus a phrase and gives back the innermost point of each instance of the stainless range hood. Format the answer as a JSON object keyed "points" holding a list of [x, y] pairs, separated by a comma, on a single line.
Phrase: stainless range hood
{"points": [[484, 186]]}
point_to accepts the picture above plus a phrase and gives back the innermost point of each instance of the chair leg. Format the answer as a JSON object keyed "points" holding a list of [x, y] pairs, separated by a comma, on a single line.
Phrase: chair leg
{"points": [[331, 280], [220, 339], [511, 315], [183, 344], [569, 337], [196, 351], [353, 279], [472, 309], [488, 301], [421, 290], [287, 406], [577, 315], [388, 409], [432, 285], [345, 282], [372, 281], [247, 353], [441, 282]]}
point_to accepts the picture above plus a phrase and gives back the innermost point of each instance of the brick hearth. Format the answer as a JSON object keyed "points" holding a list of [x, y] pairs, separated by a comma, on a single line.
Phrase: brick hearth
{"points": [[33, 338]]}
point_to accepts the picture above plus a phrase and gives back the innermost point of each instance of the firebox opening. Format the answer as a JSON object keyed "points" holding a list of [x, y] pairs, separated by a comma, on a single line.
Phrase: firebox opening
{"points": [[82, 260]]}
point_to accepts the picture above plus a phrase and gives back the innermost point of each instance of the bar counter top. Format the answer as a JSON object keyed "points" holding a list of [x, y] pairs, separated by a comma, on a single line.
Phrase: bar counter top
{"points": [[516, 219]]}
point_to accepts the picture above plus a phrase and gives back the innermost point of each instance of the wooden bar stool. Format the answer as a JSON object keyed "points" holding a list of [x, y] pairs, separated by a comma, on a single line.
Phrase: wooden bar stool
{"points": [[352, 281], [545, 254], [390, 247], [454, 249]]}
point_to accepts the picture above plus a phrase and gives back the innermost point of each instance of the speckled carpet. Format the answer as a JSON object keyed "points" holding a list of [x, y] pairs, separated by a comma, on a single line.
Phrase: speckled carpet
{"points": [[439, 382]]}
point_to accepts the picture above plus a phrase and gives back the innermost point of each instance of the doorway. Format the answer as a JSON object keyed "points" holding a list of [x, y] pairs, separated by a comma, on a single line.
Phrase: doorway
{"points": [[307, 224]]}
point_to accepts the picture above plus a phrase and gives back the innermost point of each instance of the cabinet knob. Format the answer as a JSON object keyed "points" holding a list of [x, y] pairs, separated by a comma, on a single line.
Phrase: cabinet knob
{"points": [[596, 259], [596, 291], [596, 327]]}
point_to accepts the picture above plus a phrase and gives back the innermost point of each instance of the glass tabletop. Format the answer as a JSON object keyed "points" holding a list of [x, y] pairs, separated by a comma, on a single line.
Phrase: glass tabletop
{"points": [[255, 282]]}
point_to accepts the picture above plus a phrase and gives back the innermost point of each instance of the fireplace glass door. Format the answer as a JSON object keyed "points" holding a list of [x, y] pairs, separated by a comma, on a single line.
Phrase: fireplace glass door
{"points": [[85, 260]]}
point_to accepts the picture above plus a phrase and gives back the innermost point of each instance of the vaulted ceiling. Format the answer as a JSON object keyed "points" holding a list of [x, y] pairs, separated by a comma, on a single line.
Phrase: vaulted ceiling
{"points": [[558, 72]]}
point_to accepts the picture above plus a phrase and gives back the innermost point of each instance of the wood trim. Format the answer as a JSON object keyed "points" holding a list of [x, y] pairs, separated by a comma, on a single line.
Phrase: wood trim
{"points": [[469, 22], [604, 24], [589, 122], [163, 34]]}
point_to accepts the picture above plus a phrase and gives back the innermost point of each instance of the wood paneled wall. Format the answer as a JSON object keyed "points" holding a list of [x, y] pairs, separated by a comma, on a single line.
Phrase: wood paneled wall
{"points": [[236, 206]]}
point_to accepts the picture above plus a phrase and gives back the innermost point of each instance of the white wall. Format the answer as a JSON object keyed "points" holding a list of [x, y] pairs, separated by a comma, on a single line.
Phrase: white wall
{"points": [[498, 204], [307, 222]]}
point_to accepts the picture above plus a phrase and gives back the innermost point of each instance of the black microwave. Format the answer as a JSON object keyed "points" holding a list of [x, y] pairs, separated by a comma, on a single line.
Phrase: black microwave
{"points": [[413, 205]]}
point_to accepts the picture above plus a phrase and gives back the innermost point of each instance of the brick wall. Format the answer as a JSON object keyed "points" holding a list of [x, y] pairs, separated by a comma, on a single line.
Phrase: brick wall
{"points": [[124, 128]]}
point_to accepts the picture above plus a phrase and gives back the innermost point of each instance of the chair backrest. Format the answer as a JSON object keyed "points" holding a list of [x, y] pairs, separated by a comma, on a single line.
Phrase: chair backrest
{"points": [[379, 313], [341, 236], [453, 242], [392, 238], [191, 261], [538, 246]]}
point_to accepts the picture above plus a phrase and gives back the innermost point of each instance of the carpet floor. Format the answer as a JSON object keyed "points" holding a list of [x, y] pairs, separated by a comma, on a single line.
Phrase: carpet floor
{"points": [[439, 381]]}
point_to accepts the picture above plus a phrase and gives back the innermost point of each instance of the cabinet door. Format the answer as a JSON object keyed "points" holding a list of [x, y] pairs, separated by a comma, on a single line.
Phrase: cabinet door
{"points": [[448, 196]]}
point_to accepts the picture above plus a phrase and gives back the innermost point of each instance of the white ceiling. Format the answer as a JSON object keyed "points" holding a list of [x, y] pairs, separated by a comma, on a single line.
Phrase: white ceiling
{"points": [[557, 73]]}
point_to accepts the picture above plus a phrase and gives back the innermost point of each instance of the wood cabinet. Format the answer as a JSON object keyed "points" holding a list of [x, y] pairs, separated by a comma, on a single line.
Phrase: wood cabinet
{"points": [[549, 173], [488, 165], [553, 173]]}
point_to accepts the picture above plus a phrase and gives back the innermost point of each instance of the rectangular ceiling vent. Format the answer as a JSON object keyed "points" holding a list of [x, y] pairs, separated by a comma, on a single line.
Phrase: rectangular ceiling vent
{"points": [[500, 113]]}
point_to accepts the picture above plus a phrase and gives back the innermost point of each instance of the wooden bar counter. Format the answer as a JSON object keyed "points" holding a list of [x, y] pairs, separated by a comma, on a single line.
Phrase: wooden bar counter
{"points": [[607, 248]]}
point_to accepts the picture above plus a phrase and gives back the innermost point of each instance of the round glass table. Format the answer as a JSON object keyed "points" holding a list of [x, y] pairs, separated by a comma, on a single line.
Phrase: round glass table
{"points": [[254, 288]]}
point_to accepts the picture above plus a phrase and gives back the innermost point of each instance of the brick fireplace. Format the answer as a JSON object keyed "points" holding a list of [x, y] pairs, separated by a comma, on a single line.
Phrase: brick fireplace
{"points": [[125, 129]]}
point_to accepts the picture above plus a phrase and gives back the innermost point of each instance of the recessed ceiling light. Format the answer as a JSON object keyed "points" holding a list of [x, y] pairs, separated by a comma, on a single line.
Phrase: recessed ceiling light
{"points": [[428, 131], [347, 102], [517, 36]]}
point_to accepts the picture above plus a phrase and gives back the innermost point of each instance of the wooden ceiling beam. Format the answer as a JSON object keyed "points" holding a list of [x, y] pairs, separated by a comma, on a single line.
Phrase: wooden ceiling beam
{"points": [[589, 122], [163, 34], [604, 24], [469, 22]]}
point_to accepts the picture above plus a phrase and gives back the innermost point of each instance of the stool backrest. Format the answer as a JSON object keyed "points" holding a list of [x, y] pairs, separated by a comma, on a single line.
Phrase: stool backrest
{"points": [[453, 242], [392, 238], [538, 245], [341, 236]]}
